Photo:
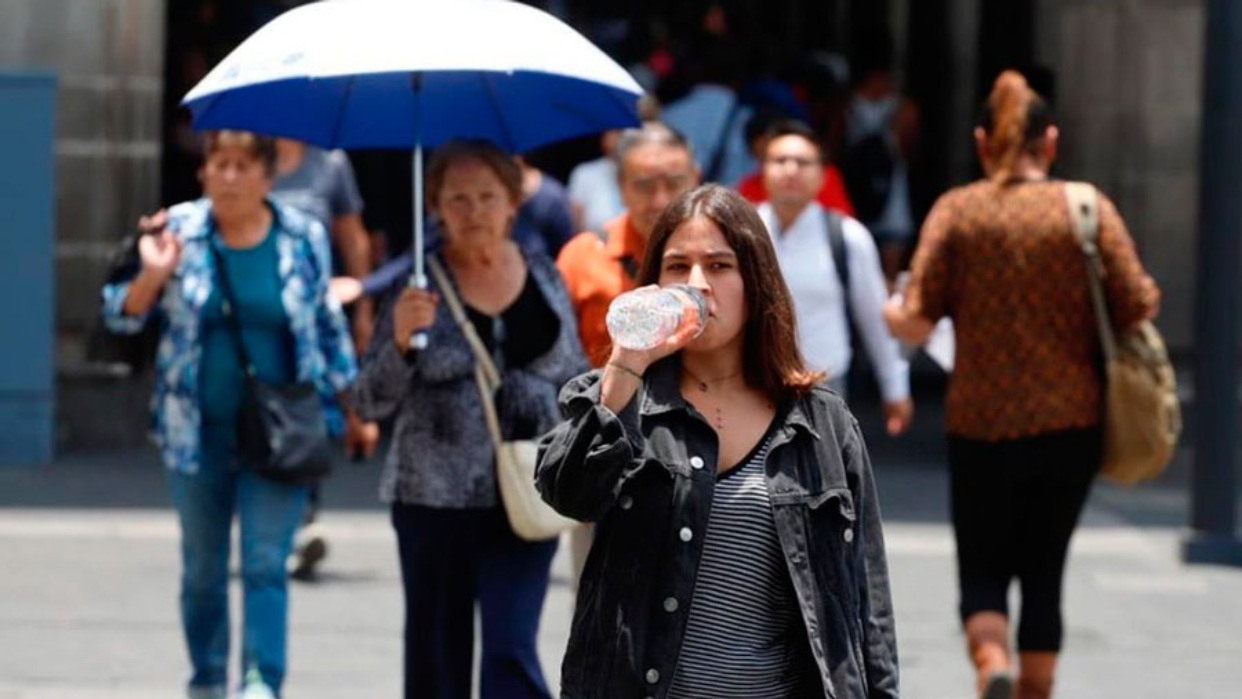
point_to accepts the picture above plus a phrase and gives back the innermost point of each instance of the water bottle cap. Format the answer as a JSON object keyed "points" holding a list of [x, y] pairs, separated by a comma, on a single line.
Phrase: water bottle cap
{"points": [[697, 297], [694, 294]]}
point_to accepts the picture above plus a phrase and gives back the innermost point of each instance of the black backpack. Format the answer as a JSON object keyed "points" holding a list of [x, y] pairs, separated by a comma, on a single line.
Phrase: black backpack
{"points": [[137, 352], [867, 167]]}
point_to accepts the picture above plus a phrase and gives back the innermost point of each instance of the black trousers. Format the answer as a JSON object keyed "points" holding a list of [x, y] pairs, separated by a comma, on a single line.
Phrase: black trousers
{"points": [[1015, 504], [452, 560]]}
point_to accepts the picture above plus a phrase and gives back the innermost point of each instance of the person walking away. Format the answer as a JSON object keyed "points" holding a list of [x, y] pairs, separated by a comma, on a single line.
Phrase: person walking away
{"points": [[655, 167], [545, 218], [456, 546], [711, 116], [881, 129], [321, 184], [277, 264], [1001, 257], [831, 266], [739, 549]]}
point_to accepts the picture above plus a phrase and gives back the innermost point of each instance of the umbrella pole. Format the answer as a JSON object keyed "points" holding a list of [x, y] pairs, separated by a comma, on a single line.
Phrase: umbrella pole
{"points": [[418, 277]]}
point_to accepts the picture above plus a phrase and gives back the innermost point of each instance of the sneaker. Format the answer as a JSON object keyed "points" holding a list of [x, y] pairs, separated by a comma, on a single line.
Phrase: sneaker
{"points": [[254, 688], [999, 685], [309, 549], [207, 692]]}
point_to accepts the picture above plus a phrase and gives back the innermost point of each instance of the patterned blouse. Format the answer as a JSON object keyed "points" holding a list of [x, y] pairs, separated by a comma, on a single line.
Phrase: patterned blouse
{"points": [[323, 350], [441, 453], [1004, 262]]}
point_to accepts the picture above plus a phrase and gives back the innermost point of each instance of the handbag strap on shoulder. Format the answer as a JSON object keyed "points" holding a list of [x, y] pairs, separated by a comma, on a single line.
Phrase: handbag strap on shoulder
{"points": [[1084, 212], [449, 293], [229, 306], [485, 374]]}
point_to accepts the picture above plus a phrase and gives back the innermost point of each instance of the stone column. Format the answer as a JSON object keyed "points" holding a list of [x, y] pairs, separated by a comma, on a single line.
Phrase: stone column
{"points": [[1129, 76], [108, 56]]}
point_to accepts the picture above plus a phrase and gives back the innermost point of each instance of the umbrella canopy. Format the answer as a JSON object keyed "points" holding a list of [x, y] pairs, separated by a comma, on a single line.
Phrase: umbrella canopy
{"points": [[409, 73], [414, 73]]}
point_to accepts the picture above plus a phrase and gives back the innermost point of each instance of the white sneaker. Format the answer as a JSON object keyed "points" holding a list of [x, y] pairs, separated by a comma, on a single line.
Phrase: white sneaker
{"points": [[255, 689]]}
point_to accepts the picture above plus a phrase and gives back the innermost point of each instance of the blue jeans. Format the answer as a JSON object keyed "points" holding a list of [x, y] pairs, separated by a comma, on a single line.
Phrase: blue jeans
{"points": [[269, 513], [449, 560]]}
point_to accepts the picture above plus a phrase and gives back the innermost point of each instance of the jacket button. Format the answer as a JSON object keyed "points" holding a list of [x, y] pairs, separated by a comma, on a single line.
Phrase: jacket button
{"points": [[696, 463], [848, 536], [626, 502], [685, 534], [670, 605], [653, 676]]}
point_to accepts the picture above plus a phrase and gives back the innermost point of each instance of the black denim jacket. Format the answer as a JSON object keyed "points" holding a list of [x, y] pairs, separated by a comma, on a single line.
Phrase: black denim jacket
{"points": [[647, 478]]}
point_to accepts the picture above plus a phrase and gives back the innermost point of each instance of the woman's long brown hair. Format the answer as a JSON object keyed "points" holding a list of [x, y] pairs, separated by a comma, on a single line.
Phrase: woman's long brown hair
{"points": [[770, 357], [1015, 120]]}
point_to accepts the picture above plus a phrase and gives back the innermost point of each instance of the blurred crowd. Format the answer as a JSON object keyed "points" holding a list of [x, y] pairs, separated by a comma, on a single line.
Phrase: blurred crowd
{"points": [[722, 458]]}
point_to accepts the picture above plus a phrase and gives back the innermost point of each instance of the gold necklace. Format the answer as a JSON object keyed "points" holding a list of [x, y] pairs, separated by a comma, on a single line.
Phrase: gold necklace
{"points": [[704, 385]]}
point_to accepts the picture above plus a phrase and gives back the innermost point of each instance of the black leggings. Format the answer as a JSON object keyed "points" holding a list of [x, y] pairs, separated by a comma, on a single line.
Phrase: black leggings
{"points": [[1015, 504]]}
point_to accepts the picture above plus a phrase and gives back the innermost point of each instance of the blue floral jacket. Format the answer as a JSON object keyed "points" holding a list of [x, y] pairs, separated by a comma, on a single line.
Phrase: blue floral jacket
{"points": [[324, 353]]}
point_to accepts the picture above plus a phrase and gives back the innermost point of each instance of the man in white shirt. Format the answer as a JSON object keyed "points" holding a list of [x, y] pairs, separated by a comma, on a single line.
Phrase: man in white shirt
{"points": [[793, 171]]}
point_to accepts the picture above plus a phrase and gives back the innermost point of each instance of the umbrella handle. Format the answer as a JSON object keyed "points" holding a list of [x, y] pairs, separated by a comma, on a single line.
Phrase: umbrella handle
{"points": [[418, 340]]}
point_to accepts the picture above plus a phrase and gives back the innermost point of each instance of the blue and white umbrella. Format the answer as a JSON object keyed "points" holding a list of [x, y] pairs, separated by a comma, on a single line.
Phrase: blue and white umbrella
{"points": [[411, 74]]}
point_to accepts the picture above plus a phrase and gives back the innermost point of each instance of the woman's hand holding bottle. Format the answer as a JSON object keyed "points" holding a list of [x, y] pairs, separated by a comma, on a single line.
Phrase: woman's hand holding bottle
{"points": [[647, 325]]}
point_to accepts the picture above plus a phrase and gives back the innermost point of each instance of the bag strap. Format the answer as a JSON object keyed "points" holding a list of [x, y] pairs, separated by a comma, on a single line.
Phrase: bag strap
{"points": [[449, 293], [840, 256], [485, 374], [489, 408], [228, 307], [1085, 213]]}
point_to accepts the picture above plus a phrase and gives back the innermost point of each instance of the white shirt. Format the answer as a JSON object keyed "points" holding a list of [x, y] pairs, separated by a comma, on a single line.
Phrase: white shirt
{"points": [[810, 273], [593, 186]]}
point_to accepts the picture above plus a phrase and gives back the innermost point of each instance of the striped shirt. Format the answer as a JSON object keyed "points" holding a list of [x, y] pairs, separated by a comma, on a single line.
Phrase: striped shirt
{"points": [[743, 636]]}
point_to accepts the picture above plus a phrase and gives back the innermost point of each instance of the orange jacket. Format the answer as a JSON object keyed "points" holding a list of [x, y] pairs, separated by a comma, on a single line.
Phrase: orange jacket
{"points": [[595, 273]]}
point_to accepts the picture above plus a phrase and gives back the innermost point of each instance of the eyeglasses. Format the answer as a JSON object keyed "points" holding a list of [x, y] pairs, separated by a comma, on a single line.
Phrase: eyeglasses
{"points": [[676, 182], [783, 160]]}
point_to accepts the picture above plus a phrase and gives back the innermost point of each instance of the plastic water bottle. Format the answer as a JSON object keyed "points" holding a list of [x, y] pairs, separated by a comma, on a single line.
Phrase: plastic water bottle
{"points": [[643, 318]]}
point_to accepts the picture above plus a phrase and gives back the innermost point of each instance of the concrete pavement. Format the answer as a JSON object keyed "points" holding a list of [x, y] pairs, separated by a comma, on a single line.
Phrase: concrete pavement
{"points": [[88, 589]]}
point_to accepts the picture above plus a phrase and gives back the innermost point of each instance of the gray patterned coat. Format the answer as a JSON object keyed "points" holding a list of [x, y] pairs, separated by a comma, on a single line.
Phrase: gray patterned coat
{"points": [[441, 454]]}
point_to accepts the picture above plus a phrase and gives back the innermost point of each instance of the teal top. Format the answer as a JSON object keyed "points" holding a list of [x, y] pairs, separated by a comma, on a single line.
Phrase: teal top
{"points": [[255, 280]]}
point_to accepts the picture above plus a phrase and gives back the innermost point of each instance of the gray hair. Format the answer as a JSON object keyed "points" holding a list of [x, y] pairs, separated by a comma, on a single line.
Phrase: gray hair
{"points": [[651, 133]]}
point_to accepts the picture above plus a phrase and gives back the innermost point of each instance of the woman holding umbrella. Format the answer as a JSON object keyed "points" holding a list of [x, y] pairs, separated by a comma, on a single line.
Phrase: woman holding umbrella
{"points": [[455, 543], [276, 265]]}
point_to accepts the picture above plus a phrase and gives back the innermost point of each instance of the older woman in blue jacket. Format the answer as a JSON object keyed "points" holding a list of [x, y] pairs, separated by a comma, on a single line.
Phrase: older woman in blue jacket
{"points": [[277, 264]]}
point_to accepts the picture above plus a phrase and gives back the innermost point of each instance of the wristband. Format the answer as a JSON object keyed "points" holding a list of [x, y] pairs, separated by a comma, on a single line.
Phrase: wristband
{"points": [[625, 369]]}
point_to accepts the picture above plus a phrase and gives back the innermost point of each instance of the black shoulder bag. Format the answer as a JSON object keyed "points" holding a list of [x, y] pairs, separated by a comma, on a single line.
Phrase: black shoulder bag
{"points": [[281, 432]]}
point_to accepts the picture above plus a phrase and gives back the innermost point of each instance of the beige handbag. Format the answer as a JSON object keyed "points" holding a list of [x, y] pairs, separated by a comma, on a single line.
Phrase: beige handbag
{"points": [[1142, 415], [529, 516]]}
